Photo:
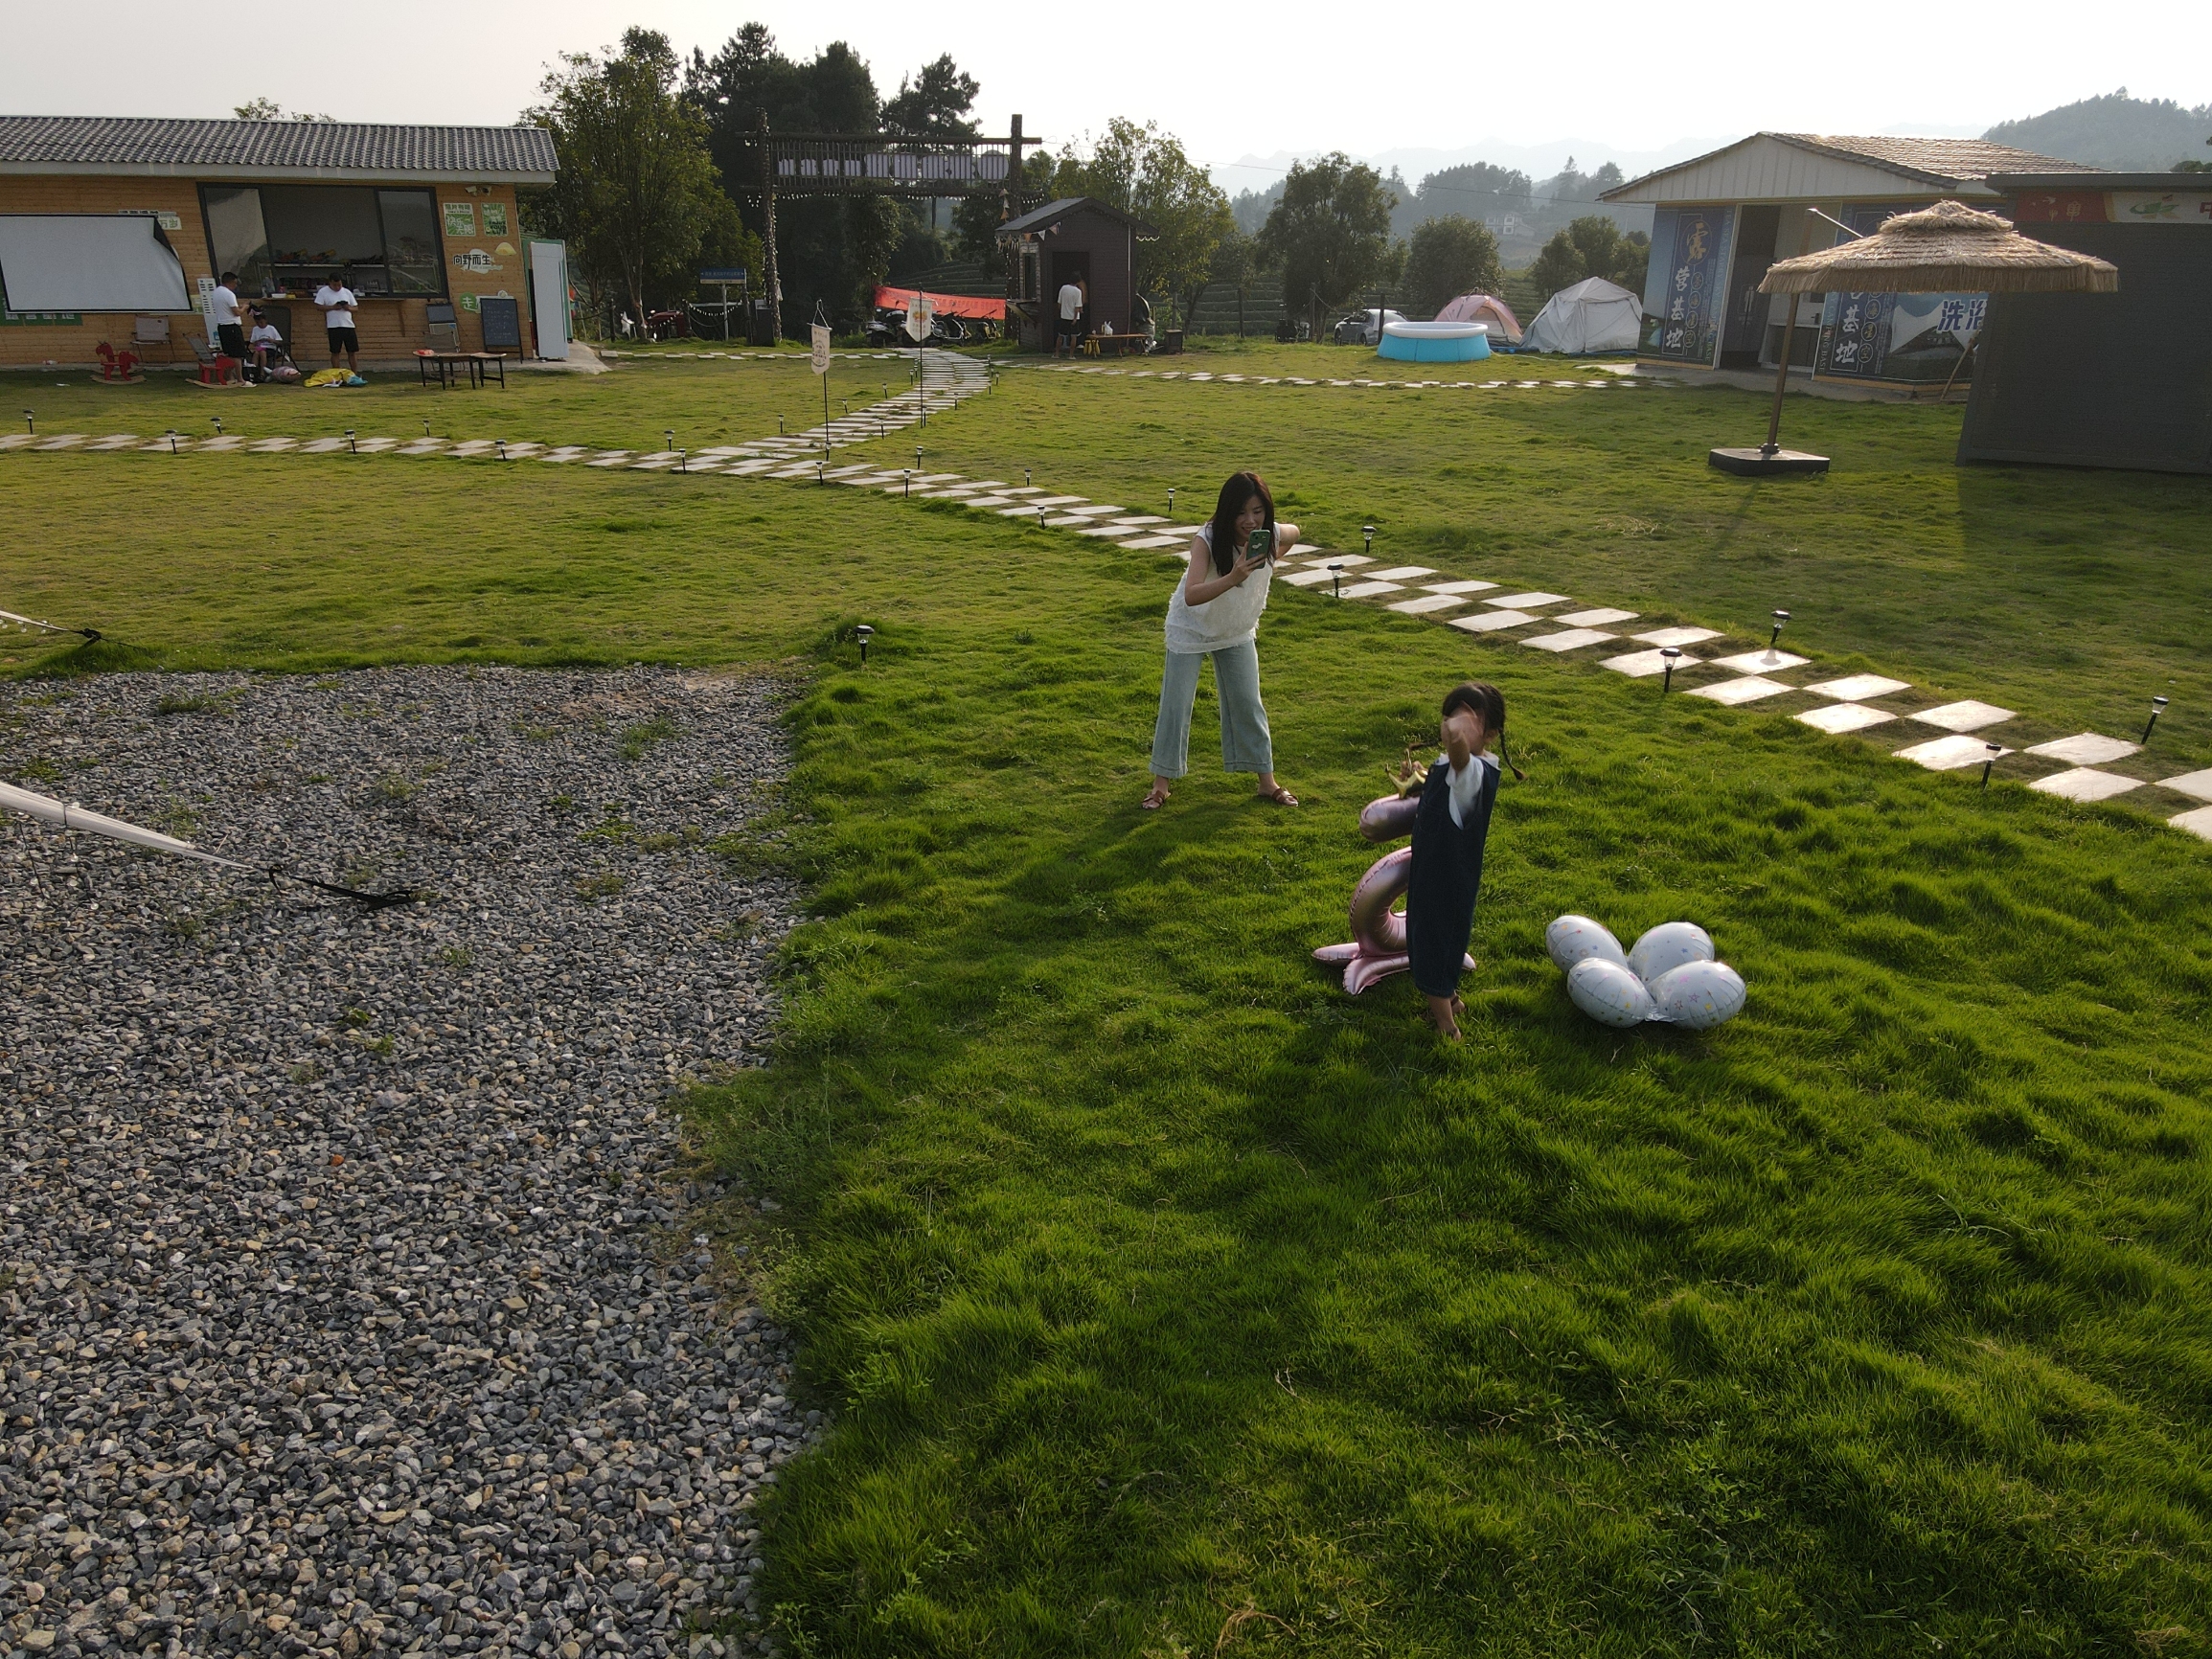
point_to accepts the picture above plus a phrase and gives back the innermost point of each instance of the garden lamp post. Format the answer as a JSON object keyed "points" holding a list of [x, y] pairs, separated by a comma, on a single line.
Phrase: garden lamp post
{"points": [[2157, 708], [1336, 582], [172, 435], [1673, 655], [1171, 497], [426, 425], [863, 633], [353, 448], [218, 424], [670, 433], [1781, 617], [30, 422], [906, 480], [1990, 759]]}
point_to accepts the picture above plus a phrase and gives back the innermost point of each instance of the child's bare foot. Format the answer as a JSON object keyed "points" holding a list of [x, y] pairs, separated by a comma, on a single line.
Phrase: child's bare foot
{"points": [[1444, 1011]]}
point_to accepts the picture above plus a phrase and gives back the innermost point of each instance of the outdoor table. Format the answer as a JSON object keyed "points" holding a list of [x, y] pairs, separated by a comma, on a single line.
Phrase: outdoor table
{"points": [[1115, 345], [450, 365]]}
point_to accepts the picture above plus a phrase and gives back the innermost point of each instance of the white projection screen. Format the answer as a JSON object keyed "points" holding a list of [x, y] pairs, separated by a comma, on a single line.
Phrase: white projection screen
{"points": [[88, 263]]}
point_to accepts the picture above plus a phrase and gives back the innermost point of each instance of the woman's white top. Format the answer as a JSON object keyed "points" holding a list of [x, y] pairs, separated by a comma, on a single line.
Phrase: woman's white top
{"points": [[1227, 619]]}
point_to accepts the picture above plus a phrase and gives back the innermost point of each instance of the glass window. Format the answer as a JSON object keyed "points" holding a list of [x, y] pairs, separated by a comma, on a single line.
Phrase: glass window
{"points": [[411, 242], [291, 239], [236, 236]]}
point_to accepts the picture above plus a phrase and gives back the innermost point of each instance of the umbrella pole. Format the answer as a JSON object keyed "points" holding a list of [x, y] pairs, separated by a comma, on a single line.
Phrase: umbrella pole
{"points": [[1782, 369]]}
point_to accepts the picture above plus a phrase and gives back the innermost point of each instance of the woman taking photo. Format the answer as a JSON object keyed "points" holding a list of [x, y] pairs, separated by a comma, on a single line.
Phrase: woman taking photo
{"points": [[1216, 613]]}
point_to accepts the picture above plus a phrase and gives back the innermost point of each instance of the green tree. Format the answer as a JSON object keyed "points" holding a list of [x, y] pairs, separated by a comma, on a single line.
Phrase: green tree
{"points": [[1450, 256], [1591, 247], [1330, 234], [267, 110], [636, 192], [1146, 173], [938, 102]]}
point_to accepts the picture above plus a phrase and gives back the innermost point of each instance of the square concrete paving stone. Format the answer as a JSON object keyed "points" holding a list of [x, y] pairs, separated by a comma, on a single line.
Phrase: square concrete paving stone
{"points": [[2082, 784], [1366, 589], [120, 441], [1858, 688], [1748, 689], [1489, 622], [1527, 601], [742, 469], [1641, 665], [378, 446], [318, 446], [1572, 640], [1107, 532], [66, 440], [612, 458], [1837, 719], [461, 452], [2084, 749], [1759, 661], [1402, 573], [1152, 541], [1458, 586], [1596, 619], [2198, 822], [1964, 715], [1950, 754], [1298, 578], [2197, 784], [1677, 636], [1426, 603]]}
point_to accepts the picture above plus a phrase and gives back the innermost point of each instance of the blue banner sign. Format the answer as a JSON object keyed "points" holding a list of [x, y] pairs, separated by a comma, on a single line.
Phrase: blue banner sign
{"points": [[1687, 286]]}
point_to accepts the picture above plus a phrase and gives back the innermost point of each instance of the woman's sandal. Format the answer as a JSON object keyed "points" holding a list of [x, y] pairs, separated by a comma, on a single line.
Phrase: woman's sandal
{"points": [[1278, 796], [1153, 800]]}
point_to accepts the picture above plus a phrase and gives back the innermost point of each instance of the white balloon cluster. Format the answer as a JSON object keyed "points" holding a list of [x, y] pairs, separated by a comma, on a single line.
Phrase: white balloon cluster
{"points": [[1670, 976]]}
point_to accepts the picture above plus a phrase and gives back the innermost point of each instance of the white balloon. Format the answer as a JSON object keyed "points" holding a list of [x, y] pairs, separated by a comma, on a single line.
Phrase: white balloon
{"points": [[1572, 938], [1669, 945], [1698, 995], [1608, 992]]}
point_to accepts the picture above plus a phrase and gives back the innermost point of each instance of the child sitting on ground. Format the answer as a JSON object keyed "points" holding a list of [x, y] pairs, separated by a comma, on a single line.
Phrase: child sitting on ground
{"points": [[1449, 832]]}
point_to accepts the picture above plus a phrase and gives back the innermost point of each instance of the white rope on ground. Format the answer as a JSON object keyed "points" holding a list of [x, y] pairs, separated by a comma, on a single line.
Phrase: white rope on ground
{"points": [[30, 622]]}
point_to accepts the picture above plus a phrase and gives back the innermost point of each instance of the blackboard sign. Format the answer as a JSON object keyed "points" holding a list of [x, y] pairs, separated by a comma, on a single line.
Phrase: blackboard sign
{"points": [[502, 324]]}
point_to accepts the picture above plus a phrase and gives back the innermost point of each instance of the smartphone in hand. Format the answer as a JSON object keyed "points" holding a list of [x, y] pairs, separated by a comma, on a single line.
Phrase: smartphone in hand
{"points": [[1260, 546]]}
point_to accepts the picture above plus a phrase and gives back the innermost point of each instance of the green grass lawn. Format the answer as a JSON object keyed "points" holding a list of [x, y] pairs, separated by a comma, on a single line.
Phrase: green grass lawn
{"points": [[1172, 1303], [725, 400]]}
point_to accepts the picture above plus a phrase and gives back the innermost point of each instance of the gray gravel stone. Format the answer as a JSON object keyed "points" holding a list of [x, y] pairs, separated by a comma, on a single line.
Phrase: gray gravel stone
{"points": [[350, 1296]]}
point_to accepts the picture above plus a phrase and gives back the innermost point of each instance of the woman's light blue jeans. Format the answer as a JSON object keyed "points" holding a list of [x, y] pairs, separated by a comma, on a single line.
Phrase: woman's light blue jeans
{"points": [[1246, 745]]}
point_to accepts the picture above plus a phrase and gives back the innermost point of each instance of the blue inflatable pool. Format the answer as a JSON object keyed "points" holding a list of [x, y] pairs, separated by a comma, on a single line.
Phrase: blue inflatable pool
{"points": [[1436, 342]]}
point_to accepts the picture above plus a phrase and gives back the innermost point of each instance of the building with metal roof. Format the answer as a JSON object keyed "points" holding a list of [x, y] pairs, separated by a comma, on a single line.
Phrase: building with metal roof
{"points": [[1719, 220], [113, 230], [1075, 239]]}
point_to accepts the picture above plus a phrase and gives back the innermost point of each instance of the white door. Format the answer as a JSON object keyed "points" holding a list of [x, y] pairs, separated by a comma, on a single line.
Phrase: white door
{"points": [[549, 298]]}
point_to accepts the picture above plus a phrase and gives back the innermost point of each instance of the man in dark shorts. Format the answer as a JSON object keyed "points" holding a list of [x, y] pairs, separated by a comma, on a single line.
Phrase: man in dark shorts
{"points": [[1068, 304], [338, 302], [229, 335]]}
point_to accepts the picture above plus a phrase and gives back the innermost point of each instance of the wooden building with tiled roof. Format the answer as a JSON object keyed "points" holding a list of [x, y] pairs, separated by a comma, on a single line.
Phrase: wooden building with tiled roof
{"points": [[104, 221]]}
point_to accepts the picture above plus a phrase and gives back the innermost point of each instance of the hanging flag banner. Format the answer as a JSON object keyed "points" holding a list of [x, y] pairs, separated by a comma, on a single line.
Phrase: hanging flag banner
{"points": [[821, 354], [921, 316]]}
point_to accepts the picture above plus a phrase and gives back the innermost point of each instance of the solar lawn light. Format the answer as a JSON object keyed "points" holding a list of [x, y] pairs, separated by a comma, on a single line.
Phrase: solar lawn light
{"points": [[670, 433], [1336, 582], [1025, 484], [30, 422], [218, 424], [1673, 655], [1368, 531], [1781, 617], [778, 425], [172, 441], [863, 633], [917, 457], [683, 458], [426, 425], [2157, 708], [821, 472], [1171, 499], [1990, 759], [353, 448], [906, 477]]}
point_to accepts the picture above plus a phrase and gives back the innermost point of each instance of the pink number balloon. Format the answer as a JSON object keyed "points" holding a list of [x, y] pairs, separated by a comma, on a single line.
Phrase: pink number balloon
{"points": [[1377, 947]]}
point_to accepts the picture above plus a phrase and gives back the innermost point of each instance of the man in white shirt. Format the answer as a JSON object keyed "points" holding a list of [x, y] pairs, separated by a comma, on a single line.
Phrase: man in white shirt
{"points": [[338, 302], [1071, 306], [230, 339]]}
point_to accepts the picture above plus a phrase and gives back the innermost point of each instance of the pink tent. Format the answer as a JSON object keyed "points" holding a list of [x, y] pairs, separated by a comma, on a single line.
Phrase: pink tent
{"points": [[1482, 309]]}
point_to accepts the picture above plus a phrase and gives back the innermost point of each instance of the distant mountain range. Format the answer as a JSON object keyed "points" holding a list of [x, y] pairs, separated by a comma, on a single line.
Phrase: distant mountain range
{"points": [[2116, 131]]}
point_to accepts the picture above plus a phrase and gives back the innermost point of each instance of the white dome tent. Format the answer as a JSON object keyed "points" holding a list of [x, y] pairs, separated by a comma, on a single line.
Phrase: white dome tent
{"points": [[1592, 316]]}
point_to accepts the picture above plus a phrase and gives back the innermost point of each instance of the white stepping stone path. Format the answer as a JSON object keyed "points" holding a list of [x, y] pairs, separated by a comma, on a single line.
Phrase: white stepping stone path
{"points": [[2086, 783], [2083, 749], [1837, 718], [1964, 715], [59, 440], [1150, 542], [2198, 822], [1457, 587], [1572, 640], [2198, 785], [1642, 665], [1363, 589], [1858, 688], [562, 453], [114, 441], [1759, 661], [1950, 754], [1427, 603], [322, 445], [1402, 573], [1744, 689], [1527, 601], [474, 446], [1491, 620], [1297, 577], [1677, 636], [1595, 618]]}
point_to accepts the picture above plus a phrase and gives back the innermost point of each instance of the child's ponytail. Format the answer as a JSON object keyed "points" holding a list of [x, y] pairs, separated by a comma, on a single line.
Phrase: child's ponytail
{"points": [[1487, 701]]}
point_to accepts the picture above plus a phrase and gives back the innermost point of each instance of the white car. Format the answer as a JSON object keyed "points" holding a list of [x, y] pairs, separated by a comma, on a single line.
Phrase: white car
{"points": [[1364, 327]]}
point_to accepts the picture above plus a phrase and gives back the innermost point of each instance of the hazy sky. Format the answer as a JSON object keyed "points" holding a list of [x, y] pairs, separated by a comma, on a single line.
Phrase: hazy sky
{"points": [[1616, 79]]}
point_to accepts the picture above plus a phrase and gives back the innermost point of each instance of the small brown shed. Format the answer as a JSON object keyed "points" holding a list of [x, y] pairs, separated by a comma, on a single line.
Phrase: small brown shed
{"points": [[1076, 238]]}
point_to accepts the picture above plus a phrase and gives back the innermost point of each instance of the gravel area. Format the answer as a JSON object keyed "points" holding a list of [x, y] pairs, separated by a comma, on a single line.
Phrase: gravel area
{"points": [[350, 1294]]}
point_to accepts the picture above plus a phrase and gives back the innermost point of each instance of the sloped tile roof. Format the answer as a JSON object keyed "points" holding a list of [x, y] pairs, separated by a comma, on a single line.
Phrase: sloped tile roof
{"points": [[135, 144], [1053, 212], [1936, 159]]}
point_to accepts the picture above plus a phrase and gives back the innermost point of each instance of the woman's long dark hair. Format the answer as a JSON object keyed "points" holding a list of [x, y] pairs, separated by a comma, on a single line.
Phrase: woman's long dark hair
{"points": [[1240, 489]]}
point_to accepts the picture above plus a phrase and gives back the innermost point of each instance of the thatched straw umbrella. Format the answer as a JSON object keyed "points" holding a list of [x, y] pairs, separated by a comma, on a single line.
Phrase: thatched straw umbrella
{"points": [[1947, 248]]}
